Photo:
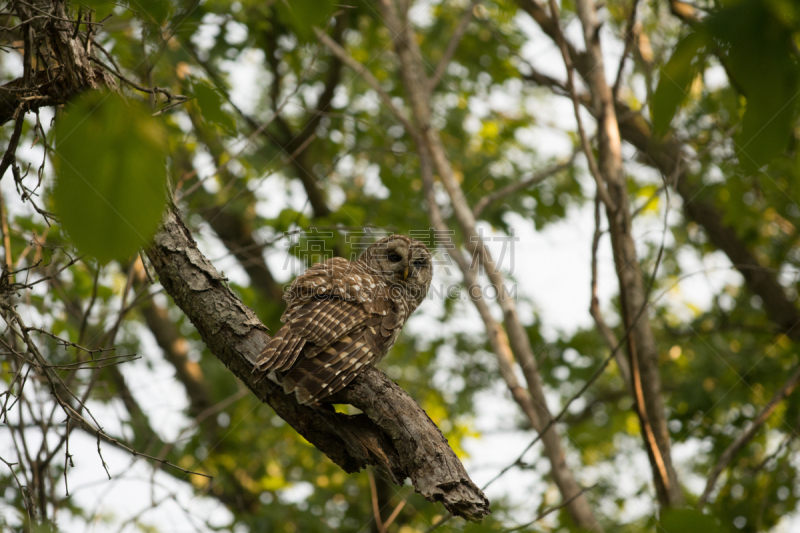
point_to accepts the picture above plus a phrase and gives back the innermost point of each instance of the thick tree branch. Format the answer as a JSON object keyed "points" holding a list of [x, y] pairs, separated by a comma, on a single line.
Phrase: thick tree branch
{"points": [[394, 433], [641, 343], [429, 144]]}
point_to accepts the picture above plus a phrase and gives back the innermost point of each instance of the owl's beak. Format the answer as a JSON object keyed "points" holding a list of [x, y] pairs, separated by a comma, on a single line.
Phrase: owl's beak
{"points": [[405, 274]]}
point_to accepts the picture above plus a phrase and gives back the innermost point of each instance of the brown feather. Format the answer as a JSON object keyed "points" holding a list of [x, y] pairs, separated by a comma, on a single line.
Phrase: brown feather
{"points": [[323, 321], [310, 378], [343, 316]]}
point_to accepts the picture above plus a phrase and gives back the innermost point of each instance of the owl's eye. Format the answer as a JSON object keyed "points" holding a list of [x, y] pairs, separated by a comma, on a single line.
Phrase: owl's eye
{"points": [[419, 263], [394, 257]]}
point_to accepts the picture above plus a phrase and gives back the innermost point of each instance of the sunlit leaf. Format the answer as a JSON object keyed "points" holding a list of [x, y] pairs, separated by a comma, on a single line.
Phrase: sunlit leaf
{"points": [[110, 186]]}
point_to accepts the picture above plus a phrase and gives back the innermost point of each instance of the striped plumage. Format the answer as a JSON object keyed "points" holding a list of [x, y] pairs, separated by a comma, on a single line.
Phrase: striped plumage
{"points": [[343, 316]]}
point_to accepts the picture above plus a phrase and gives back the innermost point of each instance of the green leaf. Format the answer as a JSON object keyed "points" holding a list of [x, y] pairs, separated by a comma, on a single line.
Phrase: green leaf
{"points": [[788, 11], [302, 15], [688, 521], [110, 189], [210, 102], [765, 130], [676, 79], [759, 58]]}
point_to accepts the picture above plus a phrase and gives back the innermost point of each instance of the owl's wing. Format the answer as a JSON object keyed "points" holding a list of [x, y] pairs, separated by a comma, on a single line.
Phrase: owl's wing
{"points": [[335, 325], [323, 321], [281, 352], [335, 365], [326, 302], [312, 327]]}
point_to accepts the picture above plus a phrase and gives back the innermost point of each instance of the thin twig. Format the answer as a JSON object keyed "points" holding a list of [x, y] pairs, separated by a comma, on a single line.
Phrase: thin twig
{"points": [[258, 131], [629, 37], [452, 46], [154, 90], [21, 489], [595, 376], [371, 80], [508, 190], [376, 511], [17, 286], [731, 451], [395, 512], [594, 305], [602, 190], [553, 509]]}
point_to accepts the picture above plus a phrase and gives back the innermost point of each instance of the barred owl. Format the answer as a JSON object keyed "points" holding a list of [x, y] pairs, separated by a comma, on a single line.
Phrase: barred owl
{"points": [[344, 315]]}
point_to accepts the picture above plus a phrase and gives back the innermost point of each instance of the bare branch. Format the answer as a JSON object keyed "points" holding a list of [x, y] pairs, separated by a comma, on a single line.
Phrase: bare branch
{"points": [[611, 184], [594, 306], [376, 510], [373, 82], [551, 510], [29, 508], [740, 441], [431, 151], [508, 190], [452, 46], [628, 38], [561, 41], [154, 90]]}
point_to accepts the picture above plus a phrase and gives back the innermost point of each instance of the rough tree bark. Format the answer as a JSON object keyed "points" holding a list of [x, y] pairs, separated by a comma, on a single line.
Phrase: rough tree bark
{"points": [[394, 434], [641, 344], [431, 150], [72, 74], [642, 350]]}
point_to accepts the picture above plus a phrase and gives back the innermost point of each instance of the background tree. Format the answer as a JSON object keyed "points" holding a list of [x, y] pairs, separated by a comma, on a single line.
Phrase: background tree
{"points": [[667, 130]]}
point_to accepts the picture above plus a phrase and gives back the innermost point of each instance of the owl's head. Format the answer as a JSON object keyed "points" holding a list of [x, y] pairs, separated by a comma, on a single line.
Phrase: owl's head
{"points": [[402, 262]]}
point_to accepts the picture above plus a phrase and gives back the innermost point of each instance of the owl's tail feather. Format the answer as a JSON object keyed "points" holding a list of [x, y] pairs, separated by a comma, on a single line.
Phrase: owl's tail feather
{"points": [[289, 354], [329, 372], [281, 352]]}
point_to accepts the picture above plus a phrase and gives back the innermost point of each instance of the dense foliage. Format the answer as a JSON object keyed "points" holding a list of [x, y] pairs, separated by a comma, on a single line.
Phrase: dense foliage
{"points": [[271, 144]]}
